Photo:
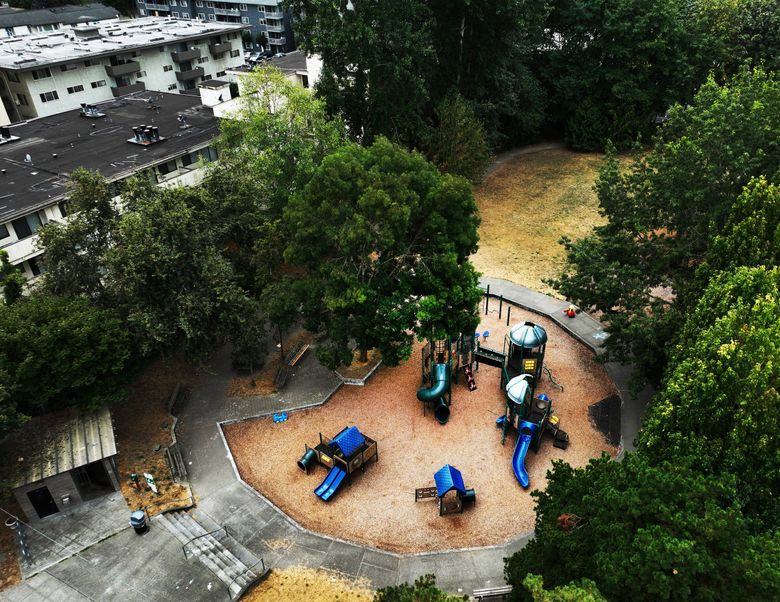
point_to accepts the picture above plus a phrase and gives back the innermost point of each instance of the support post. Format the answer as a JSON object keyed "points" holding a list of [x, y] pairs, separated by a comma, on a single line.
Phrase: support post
{"points": [[487, 299], [500, 305], [508, 311]]}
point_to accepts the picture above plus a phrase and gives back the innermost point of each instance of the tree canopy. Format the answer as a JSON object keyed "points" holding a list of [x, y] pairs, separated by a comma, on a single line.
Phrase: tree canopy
{"points": [[384, 238], [58, 352]]}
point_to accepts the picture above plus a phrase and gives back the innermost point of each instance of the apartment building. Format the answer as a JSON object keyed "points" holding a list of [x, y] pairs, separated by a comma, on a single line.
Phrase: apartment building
{"points": [[270, 26], [164, 137], [19, 22], [46, 74]]}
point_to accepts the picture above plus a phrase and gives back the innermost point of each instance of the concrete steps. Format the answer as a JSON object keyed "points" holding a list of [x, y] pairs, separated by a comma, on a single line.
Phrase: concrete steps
{"points": [[211, 551]]}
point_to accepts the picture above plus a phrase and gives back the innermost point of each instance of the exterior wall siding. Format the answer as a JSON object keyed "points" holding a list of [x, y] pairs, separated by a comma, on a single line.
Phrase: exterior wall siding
{"points": [[60, 485]]}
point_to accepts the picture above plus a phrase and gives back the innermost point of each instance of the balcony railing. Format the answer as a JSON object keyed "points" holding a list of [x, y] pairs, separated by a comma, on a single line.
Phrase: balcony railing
{"points": [[276, 28], [277, 41], [274, 14], [155, 6], [227, 12], [219, 48], [129, 89], [182, 56], [183, 76], [123, 69]]}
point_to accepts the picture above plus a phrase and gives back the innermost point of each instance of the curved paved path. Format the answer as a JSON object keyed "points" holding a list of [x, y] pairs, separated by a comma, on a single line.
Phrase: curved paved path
{"points": [[120, 568]]}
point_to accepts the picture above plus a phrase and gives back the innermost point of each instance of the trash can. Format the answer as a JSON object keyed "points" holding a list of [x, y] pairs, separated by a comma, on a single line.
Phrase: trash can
{"points": [[138, 522]]}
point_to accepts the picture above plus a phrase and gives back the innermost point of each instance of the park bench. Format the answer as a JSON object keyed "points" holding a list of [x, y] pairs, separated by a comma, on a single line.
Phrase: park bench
{"points": [[500, 592]]}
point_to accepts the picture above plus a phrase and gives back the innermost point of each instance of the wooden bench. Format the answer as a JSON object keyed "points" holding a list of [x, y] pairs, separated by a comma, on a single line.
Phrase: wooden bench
{"points": [[500, 592], [297, 354]]}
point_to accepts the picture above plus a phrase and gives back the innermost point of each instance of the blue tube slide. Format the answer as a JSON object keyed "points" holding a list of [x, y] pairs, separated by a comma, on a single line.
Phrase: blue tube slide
{"points": [[526, 433], [441, 382]]}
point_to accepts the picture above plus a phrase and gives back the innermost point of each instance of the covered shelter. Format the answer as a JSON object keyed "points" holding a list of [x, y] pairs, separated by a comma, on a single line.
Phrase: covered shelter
{"points": [[451, 490], [524, 347], [60, 461]]}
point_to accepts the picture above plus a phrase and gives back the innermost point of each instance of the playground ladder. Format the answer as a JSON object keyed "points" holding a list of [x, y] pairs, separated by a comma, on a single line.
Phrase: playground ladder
{"points": [[470, 382]]}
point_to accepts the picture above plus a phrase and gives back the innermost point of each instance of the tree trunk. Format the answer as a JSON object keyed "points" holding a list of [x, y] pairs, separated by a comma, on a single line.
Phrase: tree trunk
{"points": [[364, 353], [281, 341]]}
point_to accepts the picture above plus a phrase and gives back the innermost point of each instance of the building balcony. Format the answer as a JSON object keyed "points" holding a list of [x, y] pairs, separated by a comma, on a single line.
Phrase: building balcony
{"points": [[155, 6], [128, 89], [278, 41], [184, 76], [274, 14], [278, 28], [218, 48], [123, 69], [183, 56], [227, 12]]}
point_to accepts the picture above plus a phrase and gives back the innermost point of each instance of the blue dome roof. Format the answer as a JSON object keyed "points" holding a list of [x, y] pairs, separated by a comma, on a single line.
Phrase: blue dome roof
{"points": [[528, 335]]}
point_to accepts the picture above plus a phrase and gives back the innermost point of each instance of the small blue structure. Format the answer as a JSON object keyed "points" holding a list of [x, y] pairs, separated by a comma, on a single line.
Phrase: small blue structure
{"points": [[447, 479], [450, 491], [348, 441]]}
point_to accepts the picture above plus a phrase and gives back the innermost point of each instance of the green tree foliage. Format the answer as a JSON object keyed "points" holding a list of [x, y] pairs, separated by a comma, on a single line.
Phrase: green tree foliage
{"points": [[646, 533], [387, 66], [75, 250], [423, 590], [457, 144], [664, 210], [167, 276], [750, 33], [58, 352], [585, 591], [720, 407], [384, 238], [12, 280], [613, 65]]}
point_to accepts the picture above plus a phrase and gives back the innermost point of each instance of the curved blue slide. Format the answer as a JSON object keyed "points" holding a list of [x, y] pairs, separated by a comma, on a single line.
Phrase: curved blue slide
{"points": [[524, 437], [331, 484]]}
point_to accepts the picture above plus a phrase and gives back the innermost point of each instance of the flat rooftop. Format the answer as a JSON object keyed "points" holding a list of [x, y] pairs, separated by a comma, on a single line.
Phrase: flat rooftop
{"points": [[292, 62], [59, 144], [69, 15], [35, 50]]}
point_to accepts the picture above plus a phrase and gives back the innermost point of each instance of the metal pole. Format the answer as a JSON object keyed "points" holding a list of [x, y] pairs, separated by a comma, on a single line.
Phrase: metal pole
{"points": [[500, 305], [487, 299], [508, 311]]}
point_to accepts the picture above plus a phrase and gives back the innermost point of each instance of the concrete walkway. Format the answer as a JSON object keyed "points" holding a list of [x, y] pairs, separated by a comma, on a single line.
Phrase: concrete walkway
{"points": [[153, 567]]}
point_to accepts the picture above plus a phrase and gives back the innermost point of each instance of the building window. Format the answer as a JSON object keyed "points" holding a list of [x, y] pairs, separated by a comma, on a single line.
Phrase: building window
{"points": [[234, 53], [75, 89], [140, 74], [26, 226], [206, 78], [41, 73], [22, 100], [260, 9], [242, 6], [261, 21], [171, 2], [4, 233], [175, 15], [140, 1], [14, 77], [63, 206], [167, 167], [245, 20], [90, 63], [203, 59], [183, 3], [202, 16], [142, 12], [68, 67], [49, 96], [199, 3], [34, 267], [171, 86], [212, 17], [220, 74], [167, 68], [209, 5], [98, 84]]}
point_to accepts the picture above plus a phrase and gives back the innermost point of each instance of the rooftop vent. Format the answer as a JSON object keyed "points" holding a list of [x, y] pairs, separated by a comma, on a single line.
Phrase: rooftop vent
{"points": [[146, 135], [87, 32], [5, 136], [90, 111]]}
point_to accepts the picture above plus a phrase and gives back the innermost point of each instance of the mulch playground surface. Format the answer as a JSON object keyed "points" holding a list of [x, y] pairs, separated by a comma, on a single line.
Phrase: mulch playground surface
{"points": [[378, 509]]}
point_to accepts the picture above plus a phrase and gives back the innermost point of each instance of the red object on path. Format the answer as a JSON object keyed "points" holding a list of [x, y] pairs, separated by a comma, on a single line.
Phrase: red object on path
{"points": [[570, 311]]}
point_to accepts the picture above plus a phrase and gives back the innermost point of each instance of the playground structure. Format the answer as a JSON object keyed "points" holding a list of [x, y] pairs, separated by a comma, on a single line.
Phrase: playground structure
{"points": [[521, 362], [442, 361], [347, 452], [450, 490]]}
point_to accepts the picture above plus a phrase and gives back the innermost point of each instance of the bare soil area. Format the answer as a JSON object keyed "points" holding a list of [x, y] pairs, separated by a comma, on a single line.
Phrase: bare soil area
{"points": [[297, 583], [526, 205], [378, 509]]}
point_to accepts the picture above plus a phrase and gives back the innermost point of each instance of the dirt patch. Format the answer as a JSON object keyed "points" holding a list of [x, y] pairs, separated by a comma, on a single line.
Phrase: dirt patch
{"points": [[358, 369], [526, 205], [242, 386], [141, 425], [378, 509], [297, 583], [10, 574]]}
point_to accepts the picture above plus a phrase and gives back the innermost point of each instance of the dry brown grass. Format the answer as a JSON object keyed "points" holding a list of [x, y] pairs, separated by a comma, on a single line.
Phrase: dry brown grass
{"points": [[526, 205], [296, 584], [9, 563], [358, 369]]}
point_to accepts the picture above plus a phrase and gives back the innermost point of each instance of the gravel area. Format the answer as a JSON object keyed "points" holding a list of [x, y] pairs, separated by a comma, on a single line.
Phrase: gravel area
{"points": [[378, 509]]}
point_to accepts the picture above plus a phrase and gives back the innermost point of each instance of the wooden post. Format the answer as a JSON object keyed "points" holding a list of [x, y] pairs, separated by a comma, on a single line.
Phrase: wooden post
{"points": [[508, 311], [500, 305], [487, 299]]}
